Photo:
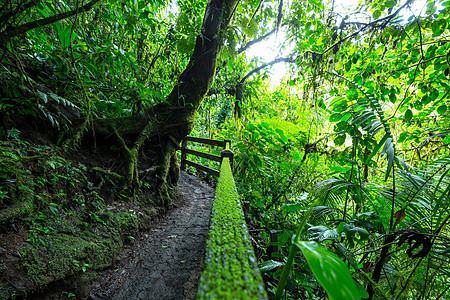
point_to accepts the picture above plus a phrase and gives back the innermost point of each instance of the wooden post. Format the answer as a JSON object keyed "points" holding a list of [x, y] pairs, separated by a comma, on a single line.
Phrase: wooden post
{"points": [[227, 153], [273, 248], [227, 144], [183, 155]]}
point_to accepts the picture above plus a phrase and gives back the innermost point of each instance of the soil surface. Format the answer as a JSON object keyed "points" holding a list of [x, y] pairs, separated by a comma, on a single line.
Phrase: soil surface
{"points": [[167, 263]]}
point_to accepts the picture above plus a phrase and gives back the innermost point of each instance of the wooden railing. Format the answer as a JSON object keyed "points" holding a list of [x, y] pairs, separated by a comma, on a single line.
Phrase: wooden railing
{"points": [[225, 145], [230, 269]]}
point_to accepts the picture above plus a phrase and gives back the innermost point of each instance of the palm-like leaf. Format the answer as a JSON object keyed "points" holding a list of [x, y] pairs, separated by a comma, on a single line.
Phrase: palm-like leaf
{"points": [[333, 192], [365, 113], [424, 195]]}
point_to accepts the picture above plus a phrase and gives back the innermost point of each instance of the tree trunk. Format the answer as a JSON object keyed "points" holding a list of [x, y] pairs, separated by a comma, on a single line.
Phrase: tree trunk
{"points": [[175, 117]]}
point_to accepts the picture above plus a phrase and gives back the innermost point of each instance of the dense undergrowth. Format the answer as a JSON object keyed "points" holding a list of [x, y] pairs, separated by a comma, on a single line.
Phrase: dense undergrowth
{"points": [[60, 218], [352, 152]]}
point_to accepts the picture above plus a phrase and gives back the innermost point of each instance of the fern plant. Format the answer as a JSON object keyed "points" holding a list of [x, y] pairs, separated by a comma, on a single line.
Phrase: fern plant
{"points": [[409, 214], [365, 114], [419, 235]]}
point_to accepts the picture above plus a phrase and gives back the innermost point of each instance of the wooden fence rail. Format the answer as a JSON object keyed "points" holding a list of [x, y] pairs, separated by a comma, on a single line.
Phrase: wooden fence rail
{"points": [[225, 144], [229, 246], [231, 266]]}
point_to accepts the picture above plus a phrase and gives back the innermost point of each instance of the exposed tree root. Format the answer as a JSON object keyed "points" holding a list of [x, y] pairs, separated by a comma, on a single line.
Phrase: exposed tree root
{"points": [[167, 172]]}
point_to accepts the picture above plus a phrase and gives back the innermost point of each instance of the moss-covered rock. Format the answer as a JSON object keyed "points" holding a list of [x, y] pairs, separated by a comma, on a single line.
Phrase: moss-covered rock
{"points": [[231, 270]]}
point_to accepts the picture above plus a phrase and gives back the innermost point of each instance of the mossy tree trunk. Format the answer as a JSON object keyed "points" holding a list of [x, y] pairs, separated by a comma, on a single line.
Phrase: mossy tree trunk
{"points": [[175, 118]]}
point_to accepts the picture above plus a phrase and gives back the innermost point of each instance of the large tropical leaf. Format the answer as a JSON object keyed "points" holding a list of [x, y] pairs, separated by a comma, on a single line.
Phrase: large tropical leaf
{"points": [[330, 271]]}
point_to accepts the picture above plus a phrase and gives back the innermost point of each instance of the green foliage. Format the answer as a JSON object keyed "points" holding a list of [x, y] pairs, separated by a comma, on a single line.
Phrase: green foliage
{"points": [[379, 166], [113, 60], [337, 281], [359, 130]]}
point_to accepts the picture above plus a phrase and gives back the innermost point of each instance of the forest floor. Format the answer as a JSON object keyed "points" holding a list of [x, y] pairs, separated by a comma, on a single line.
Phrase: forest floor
{"points": [[70, 232], [167, 261]]}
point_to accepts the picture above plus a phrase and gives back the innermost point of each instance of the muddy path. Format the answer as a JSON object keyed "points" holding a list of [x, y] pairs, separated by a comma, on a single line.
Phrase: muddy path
{"points": [[167, 263]]}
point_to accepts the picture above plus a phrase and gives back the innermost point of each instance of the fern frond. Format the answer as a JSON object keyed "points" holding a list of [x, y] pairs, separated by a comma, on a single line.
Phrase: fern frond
{"points": [[48, 115], [332, 192], [371, 100], [319, 213], [366, 113]]}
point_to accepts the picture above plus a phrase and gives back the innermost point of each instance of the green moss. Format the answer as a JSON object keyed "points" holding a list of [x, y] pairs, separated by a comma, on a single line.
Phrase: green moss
{"points": [[61, 255], [126, 223], [231, 271], [71, 230], [67, 249], [9, 159]]}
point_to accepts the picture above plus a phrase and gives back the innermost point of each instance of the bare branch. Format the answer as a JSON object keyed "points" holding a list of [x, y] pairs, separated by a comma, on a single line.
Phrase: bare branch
{"points": [[254, 14], [280, 14], [379, 23]]}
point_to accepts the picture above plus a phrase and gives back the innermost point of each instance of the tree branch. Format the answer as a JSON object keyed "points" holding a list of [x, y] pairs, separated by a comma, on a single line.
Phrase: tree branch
{"points": [[254, 14], [375, 24], [265, 65], [8, 14], [280, 14], [255, 41], [15, 31]]}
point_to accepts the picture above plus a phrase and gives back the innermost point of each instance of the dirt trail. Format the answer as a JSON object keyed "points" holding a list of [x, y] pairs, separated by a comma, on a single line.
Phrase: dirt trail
{"points": [[167, 264]]}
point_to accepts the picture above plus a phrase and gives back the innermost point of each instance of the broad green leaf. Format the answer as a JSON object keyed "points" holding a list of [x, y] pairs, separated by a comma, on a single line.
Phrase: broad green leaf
{"points": [[392, 96], [321, 233], [377, 148], [330, 271], [335, 117], [340, 140], [431, 8], [346, 117], [402, 164], [250, 126], [351, 231], [408, 115], [389, 150], [257, 194], [265, 125], [348, 66], [390, 3], [442, 109], [281, 134], [293, 207], [376, 14], [402, 137]]}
